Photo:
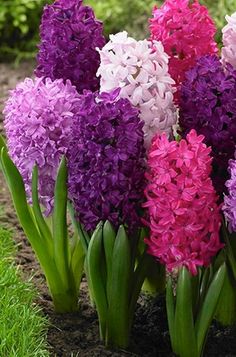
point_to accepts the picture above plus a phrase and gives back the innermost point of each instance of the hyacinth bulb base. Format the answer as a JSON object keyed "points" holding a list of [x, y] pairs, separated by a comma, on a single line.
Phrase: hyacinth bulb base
{"points": [[121, 342], [65, 302]]}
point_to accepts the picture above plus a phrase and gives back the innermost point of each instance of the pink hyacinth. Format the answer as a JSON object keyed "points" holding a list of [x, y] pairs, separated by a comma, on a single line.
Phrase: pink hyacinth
{"points": [[229, 41], [187, 32], [184, 218], [140, 70]]}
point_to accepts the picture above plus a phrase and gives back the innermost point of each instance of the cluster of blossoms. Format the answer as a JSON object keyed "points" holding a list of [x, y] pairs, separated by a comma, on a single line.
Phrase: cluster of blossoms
{"points": [[38, 120], [229, 41], [106, 161], [229, 206], [207, 105], [184, 216], [70, 35], [140, 69], [187, 32]]}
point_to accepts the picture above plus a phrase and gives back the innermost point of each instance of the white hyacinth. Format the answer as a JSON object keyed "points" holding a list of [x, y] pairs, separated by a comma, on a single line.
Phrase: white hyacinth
{"points": [[229, 41], [140, 69]]}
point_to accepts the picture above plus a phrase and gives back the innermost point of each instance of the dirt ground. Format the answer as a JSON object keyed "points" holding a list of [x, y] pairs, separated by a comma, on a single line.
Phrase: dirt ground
{"points": [[77, 334]]}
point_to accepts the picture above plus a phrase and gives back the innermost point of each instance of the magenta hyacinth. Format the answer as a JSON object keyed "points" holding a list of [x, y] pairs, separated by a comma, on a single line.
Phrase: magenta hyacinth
{"points": [[186, 31], [70, 34], [38, 120], [184, 218], [106, 161]]}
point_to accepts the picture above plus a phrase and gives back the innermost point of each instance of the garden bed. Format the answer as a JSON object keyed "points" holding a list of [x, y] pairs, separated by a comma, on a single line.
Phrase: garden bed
{"points": [[77, 334]]}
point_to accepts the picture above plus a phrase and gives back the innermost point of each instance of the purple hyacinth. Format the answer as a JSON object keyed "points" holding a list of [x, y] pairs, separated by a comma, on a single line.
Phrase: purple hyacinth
{"points": [[208, 105], [229, 206], [38, 121], [70, 35], [106, 161]]}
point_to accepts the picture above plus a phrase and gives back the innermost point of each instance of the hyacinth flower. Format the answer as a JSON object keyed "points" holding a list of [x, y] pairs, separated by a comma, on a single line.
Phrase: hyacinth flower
{"points": [[207, 105], [228, 52], [140, 70], [38, 122], [184, 222], [70, 34], [186, 31], [106, 163]]}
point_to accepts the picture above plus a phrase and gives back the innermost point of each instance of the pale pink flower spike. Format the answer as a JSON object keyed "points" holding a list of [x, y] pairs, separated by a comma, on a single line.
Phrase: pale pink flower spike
{"points": [[140, 70]]}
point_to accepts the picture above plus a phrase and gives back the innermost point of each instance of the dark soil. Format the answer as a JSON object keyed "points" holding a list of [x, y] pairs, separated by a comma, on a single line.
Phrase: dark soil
{"points": [[77, 334]]}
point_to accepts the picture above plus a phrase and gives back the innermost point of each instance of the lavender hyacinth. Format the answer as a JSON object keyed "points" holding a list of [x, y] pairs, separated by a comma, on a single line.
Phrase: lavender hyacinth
{"points": [[229, 206], [208, 105], [106, 161], [38, 120], [70, 35]]}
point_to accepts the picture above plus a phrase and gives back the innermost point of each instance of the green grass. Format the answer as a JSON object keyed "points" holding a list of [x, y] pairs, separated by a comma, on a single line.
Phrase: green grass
{"points": [[22, 327]]}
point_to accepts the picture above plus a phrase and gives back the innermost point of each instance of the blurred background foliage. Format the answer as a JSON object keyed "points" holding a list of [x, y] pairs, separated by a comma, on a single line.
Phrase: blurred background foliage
{"points": [[19, 27], [19, 21]]}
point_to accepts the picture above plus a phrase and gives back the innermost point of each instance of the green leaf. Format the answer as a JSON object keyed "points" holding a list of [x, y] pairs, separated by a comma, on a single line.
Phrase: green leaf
{"points": [[60, 239], [226, 307], [41, 223], [109, 237], [184, 322], [209, 305], [94, 257], [77, 263], [195, 280], [17, 189], [144, 264], [2, 143], [205, 279], [118, 312], [83, 235], [64, 297]]}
